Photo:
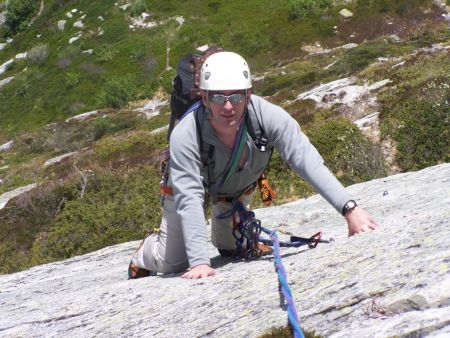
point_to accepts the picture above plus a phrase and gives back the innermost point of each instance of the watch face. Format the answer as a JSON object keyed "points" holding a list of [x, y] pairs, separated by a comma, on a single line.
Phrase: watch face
{"points": [[351, 205]]}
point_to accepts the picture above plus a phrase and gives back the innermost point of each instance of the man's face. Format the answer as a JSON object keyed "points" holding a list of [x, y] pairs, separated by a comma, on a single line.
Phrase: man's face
{"points": [[227, 108]]}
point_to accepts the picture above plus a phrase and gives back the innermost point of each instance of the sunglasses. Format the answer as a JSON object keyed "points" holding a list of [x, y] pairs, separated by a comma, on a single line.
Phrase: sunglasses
{"points": [[233, 98]]}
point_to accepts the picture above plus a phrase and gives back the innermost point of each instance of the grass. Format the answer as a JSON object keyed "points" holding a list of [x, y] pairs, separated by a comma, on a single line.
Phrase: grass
{"points": [[117, 145], [68, 82]]}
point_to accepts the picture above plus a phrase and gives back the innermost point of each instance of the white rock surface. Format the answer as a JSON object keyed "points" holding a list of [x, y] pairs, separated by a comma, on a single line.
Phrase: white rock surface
{"points": [[5, 66], [181, 20], [398, 64], [345, 13], [141, 21], [2, 45], [61, 24], [367, 120], [73, 39], [316, 49], [395, 38], [342, 91], [7, 196], [69, 15], [21, 56], [6, 146], [391, 282], [100, 18], [58, 159], [347, 46], [88, 51], [82, 116], [2, 18], [203, 48], [153, 107], [6, 81], [78, 24], [125, 7], [330, 65]]}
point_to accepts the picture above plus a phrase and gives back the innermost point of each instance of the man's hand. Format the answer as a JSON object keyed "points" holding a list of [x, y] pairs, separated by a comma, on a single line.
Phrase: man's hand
{"points": [[359, 221], [199, 271]]}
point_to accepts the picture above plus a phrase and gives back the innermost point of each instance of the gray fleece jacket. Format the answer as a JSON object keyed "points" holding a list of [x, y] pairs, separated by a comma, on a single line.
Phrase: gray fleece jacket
{"points": [[187, 175]]}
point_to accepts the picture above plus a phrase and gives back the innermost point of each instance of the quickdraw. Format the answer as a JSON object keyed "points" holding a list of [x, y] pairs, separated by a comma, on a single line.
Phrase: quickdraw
{"points": [[247, 230]]}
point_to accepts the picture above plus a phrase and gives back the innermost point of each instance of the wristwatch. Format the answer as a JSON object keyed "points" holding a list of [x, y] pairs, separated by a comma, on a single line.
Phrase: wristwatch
{"points": [[350, 205]]}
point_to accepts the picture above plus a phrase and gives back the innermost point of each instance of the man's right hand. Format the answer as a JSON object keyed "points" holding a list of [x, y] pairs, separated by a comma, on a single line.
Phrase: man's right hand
{"points": [[199, 271]]}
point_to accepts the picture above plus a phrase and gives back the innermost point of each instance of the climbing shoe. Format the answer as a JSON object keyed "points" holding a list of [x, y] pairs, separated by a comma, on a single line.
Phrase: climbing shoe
{"points": [[263, 249], [134, 271]]}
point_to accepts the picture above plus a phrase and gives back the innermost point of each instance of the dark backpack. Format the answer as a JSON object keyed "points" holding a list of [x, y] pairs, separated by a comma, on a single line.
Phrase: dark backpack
{"points": [[185, 85]]}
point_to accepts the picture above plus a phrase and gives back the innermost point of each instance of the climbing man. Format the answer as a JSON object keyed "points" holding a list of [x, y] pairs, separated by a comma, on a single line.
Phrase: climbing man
{"points": [[221, 148]]}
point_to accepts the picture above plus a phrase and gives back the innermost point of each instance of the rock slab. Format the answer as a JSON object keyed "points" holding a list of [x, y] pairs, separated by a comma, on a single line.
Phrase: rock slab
{"points": [[391, 282]]}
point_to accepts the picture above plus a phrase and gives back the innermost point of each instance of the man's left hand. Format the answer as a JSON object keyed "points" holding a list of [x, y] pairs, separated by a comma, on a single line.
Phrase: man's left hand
{"points": [[359, 221]]}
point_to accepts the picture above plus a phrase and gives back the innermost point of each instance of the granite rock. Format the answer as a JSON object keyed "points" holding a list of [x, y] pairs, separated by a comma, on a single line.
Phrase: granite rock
{"points": [[394, 281]]}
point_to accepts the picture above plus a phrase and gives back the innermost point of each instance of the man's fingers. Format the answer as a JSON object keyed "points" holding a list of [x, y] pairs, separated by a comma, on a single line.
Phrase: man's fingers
{"points": [[373, 226], [196, 273]]}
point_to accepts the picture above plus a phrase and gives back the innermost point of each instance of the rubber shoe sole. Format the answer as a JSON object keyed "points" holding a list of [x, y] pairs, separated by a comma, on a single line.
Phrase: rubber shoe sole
{"points": [[134, 272]]}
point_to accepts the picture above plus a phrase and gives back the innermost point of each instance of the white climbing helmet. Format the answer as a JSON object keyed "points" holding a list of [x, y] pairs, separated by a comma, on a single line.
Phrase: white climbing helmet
{"points": [[225, 71]]}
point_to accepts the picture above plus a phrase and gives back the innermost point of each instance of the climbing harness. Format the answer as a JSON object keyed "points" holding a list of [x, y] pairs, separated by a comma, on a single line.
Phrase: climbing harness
{"points": [[247, 230]]}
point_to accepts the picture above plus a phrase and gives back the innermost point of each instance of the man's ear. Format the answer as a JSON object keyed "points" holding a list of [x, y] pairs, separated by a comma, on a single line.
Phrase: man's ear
{"points": [[248, 95], [205, 98]]}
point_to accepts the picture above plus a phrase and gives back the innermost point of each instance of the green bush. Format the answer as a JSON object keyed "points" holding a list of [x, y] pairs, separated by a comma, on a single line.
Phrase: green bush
{"points": [[357, 58], [138, 7], [118, 92], [347, 152], [299, 9], [105, 53], [72, 79], [28, 217], [116, 207], [101, 127], [38, 54], [18, 15], [421, 131], [288, 185], [271, 85]]}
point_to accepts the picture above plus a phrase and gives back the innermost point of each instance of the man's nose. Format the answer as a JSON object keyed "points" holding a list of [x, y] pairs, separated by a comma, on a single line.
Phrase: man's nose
{"points": [[228, 105]]}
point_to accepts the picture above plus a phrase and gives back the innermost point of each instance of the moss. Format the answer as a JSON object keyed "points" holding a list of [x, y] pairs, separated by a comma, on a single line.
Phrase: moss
{"points": [[285, 332]]}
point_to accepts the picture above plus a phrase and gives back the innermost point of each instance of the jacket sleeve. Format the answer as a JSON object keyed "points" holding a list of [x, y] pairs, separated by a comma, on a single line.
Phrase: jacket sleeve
{"points": [[187, 184], [296, 149]]}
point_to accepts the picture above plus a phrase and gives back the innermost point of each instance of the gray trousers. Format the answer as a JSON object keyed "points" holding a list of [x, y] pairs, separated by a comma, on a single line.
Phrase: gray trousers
{"points": [[165, 252]]}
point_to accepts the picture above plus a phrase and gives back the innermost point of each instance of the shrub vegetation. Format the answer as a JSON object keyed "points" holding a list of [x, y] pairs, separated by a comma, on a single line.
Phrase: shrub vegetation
{"points": [[18, 15]]}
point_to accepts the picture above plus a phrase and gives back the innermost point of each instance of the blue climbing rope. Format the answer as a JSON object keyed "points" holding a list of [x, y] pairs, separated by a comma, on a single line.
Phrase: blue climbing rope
{"points": [[282, 280], [250, 228]]}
